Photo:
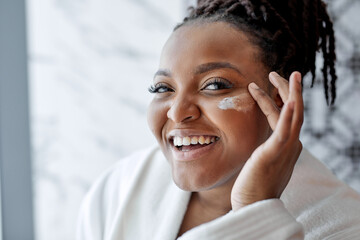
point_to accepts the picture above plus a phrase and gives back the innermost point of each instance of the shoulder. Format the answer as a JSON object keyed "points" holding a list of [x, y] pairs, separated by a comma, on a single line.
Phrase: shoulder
{"points": [[113, 188], [118, 176], [319, 200]]}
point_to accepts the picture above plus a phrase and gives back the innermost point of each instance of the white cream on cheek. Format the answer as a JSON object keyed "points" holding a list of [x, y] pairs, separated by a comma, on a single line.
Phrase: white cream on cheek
{"points": [[242, 103]]}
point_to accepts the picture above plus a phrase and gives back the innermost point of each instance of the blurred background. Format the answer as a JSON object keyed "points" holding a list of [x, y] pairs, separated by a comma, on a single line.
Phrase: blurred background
{"points": [[89, 65]]}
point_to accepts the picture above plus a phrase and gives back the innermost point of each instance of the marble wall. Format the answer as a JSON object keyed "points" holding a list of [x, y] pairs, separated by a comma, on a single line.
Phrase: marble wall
{"points": [[90, 64], [333, 133]]}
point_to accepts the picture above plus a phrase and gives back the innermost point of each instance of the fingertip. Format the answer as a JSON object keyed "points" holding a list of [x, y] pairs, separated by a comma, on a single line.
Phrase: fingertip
{"points": [[254, 86], [297, 76], [274, 74], [272, 78]]}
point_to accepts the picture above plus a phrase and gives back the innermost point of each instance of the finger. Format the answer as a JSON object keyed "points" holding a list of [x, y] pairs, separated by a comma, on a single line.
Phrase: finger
{"points": [[299, 148], [266, 104], [296, 96], [282, 132], [281, 84], [296, 152]]}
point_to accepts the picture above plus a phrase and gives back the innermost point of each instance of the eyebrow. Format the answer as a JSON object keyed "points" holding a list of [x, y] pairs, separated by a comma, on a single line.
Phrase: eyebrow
{"points": [[163, 72], [207, 67], [203, 68]]}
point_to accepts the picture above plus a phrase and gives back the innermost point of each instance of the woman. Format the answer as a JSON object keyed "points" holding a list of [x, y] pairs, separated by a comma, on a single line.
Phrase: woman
{"points": [[231, 164]]}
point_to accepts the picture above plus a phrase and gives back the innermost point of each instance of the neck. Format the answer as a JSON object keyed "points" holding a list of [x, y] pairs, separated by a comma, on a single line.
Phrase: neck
{"points": [[207, 205], [216, 201]]}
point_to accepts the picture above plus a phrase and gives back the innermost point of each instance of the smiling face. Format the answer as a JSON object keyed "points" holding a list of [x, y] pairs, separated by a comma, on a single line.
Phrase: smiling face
{"points": [[202, 66]]}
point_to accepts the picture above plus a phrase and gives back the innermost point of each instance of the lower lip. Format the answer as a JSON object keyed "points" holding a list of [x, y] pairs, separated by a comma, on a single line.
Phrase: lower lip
{"points": [[192, 154]]}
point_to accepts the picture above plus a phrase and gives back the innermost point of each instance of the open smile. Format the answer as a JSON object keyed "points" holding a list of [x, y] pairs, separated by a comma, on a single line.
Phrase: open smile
{"points": [[192, 147]]}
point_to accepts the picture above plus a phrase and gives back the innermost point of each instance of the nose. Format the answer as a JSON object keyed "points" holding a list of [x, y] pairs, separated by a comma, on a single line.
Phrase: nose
{"points": [[183, 109]]}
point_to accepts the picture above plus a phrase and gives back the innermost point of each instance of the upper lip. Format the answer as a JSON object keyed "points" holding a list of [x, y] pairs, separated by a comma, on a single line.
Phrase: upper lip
{"points": [[188, 132]]}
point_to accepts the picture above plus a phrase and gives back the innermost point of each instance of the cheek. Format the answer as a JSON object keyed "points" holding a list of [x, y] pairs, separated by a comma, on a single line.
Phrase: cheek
{"points": [[243, 129], [157, 117], [249, 128]]}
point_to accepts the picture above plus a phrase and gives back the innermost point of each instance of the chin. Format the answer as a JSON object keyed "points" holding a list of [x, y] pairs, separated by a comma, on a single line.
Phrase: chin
{"points": [[199, 182], [190, 187]]}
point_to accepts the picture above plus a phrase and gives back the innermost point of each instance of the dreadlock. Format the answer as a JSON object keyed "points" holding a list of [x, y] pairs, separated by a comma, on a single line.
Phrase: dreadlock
{"points": [[289, 32]]}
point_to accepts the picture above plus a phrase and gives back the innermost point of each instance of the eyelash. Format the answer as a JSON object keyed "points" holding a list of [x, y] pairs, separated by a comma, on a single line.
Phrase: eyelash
{"points": [[157, 87], [221, 84]]}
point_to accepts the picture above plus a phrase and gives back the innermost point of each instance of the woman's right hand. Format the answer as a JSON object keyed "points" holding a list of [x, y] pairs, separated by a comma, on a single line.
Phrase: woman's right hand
{"points": [[268, 171]]}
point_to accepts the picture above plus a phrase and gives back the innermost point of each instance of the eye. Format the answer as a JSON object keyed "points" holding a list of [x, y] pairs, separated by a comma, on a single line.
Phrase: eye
{"points": [[160, 88], [217, 84]]}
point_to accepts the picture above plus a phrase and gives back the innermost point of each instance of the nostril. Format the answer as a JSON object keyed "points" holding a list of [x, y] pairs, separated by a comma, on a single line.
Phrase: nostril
{"points": [[184, 110], [187, 118]]}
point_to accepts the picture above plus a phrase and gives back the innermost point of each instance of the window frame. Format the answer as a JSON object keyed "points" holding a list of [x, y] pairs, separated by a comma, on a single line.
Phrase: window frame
{"points": [[15, 152]]}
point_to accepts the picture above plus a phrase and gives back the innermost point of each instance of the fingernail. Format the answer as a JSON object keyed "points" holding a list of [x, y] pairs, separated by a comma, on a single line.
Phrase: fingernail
{"points": [[274, 78], [298, 77], [275, 74], [254, 86]]}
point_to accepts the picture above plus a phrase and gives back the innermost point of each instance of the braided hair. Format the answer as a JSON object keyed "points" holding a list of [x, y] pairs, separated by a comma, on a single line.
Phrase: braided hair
{"points": [[289, 32]]}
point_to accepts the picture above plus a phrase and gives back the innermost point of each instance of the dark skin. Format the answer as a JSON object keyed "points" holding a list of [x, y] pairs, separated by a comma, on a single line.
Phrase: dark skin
{"points": [[257, 148]]}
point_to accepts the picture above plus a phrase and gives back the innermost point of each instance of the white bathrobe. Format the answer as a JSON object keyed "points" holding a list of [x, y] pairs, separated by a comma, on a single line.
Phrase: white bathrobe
{"points": [[136, 199]]}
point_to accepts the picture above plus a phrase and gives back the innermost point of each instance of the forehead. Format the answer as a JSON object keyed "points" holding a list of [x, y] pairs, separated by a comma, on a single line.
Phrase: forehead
{"points": [[200, 43]]}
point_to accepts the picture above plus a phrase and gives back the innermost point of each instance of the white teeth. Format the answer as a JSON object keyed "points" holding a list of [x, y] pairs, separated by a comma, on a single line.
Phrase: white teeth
{"points": [[186, 141], [177, 141], [194, 140]]}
